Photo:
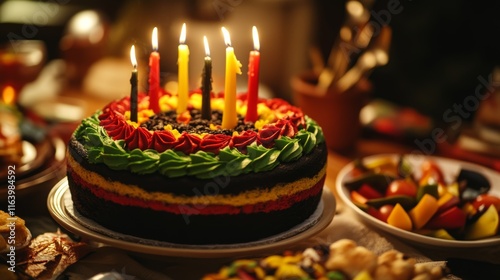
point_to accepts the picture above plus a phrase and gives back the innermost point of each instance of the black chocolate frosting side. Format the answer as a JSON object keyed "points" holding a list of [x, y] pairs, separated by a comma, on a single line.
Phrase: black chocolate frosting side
{"points": [[306, 167], [189, 228]]}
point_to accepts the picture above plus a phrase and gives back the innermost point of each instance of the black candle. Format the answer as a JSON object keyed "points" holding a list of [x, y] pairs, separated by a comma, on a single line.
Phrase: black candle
{"points": [[206, 84], [133, 86]]}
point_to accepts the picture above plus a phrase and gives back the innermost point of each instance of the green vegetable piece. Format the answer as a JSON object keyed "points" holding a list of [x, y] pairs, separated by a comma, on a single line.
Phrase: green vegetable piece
{"points": [[335, 275], [430, 189], [407, 202], [405, 169]]}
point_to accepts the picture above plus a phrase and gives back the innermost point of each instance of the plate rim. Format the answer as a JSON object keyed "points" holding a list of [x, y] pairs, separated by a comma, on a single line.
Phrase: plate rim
{"points": [[56, 209], [49, 169], [403, 234], [42, 152]]}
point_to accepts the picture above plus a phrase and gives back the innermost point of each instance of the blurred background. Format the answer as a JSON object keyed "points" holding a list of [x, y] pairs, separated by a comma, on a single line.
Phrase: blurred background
{"points": [[438, 49]]}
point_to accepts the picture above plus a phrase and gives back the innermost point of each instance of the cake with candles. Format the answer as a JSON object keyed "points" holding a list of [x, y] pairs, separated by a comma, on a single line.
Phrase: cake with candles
{"points": [[197, 168]]}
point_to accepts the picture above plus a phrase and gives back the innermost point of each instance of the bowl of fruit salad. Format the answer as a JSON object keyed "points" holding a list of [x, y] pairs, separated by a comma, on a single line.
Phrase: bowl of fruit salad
{"points": [[425, 199]]}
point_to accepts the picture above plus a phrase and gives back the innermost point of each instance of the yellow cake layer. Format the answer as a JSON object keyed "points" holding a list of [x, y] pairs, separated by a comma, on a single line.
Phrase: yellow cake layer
{"points": [[244, 198]]}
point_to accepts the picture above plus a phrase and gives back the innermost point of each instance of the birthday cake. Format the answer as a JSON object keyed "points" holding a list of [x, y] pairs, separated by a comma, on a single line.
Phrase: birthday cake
{"points": [[184, 179]]}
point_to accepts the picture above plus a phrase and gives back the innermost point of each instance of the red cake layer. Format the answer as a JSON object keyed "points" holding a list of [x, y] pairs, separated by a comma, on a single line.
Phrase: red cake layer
{"points": [[282, 203]]}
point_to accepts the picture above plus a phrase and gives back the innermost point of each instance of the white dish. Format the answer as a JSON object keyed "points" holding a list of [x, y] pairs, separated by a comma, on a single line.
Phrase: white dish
{"points": [[450, 168], [60, 207]]}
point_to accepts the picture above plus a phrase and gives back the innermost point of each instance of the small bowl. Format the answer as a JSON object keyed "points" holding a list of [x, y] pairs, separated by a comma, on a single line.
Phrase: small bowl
{"points": [[450, 168]]}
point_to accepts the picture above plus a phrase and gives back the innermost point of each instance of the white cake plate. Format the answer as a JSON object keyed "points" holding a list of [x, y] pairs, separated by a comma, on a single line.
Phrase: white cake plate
{"points": [[60, 206]]}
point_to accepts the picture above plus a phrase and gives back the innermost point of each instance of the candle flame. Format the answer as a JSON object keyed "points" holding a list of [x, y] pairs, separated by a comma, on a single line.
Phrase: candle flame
{"points": [[132, 57], [154, 39], [8, 95], [207, 49], [256, 42], [182, 38], [227, 38], [355, 8]]}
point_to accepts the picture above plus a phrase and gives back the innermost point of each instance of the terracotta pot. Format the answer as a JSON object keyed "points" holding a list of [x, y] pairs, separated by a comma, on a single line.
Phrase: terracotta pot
{"points": [[336, 112]]}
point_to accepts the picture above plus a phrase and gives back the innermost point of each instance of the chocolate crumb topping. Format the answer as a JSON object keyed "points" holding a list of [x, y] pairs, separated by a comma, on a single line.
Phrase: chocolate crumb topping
{"points": [[196, 124]]}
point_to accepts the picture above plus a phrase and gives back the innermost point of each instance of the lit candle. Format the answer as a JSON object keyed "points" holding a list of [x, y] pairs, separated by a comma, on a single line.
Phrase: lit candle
{"points": [[8, 96], [182, 63], [253, 78], [233, 67], [206, 83], [133, 86], [154, 75]]}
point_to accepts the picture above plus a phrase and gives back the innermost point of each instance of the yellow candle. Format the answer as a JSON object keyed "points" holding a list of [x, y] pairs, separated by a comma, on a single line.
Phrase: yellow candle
{"points": [[182, 63], [233, 67]]}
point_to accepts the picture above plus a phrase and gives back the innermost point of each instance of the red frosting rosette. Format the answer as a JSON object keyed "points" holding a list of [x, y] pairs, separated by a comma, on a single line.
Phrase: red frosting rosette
{"points": [[187, 143], [163, 140], [287, 128], [140, 138], [242, 140], [214, 142], [267, 134], [290, 120]]}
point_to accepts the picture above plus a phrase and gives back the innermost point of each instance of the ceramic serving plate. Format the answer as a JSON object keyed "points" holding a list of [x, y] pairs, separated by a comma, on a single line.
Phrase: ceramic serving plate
{"points": [[450, 169], [60, 206]]}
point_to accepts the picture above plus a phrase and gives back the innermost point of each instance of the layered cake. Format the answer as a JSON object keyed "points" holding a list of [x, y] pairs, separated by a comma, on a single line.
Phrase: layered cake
{"points": [[185, 179]]}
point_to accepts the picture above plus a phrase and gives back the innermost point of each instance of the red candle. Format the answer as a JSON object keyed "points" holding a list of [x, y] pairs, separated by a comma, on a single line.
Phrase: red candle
{"points": [[253, 79], [154, 75]]}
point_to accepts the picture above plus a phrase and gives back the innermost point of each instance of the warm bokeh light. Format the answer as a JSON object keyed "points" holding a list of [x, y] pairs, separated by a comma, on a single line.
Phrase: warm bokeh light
{"points": [[87, 24], [381, 56], [345, 33], [355, 8], [8, 95], [256, 42], [370, 59]]}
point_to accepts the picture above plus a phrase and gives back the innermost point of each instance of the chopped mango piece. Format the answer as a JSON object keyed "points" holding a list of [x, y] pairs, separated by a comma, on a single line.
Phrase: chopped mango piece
{"points": [[485, 226], [358, 198], [444, 198], [454, 189], [424, 210], [291, 271], [443, 234], [399, 218]]}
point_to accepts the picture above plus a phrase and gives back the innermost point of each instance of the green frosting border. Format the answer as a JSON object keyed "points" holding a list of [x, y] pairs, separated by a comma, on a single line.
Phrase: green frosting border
{"points": [[204, 165]]}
